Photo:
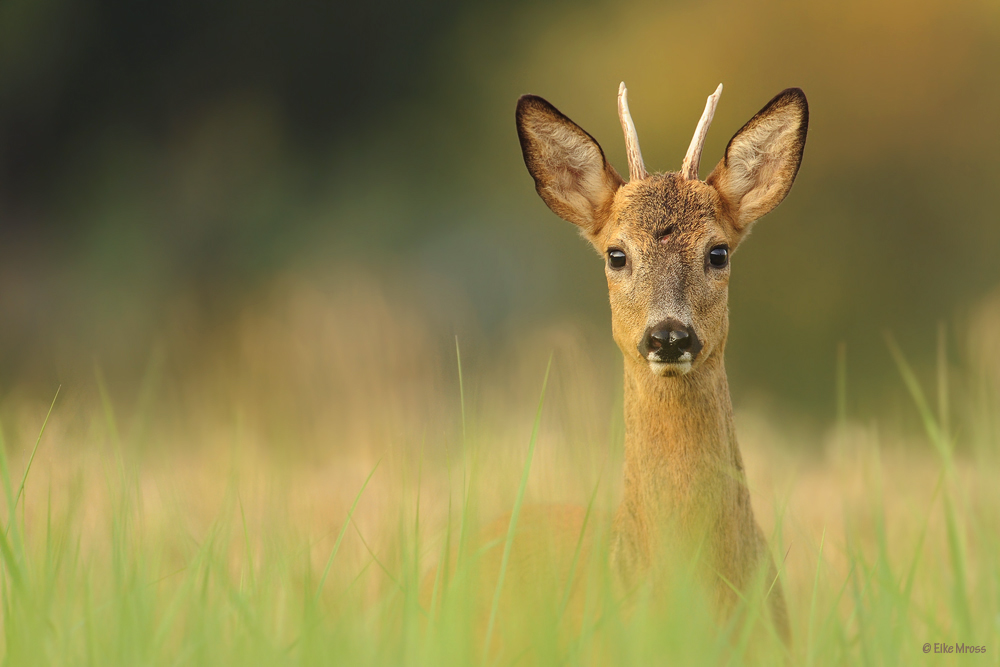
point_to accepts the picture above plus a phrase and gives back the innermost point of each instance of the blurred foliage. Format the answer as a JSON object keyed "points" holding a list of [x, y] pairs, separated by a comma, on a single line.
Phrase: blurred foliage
{"points": [[161, 164]]}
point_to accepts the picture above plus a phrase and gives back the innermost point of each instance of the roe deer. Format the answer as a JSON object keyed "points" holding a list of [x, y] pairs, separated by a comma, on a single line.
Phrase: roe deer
{"points": [[666, 241]]}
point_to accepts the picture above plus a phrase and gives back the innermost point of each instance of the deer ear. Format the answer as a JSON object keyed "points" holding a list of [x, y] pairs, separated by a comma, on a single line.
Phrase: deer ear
{"points": [[762, 159], [571, 174]]}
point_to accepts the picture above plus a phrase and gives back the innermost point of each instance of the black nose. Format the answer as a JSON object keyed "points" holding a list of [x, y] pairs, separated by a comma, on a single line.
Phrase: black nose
{"points": [[670, 340], [662, 338]]}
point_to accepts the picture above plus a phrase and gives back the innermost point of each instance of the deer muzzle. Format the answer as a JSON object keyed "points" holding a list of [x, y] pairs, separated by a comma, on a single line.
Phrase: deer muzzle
{"points": [[670, 347]]}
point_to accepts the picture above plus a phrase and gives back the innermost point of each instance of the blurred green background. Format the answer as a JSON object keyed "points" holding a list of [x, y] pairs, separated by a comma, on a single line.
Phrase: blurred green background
{"points": [[162, 164]]}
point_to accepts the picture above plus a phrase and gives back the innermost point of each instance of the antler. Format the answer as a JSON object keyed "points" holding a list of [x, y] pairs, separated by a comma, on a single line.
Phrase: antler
{"points": [[689, 168], [636, 169]]}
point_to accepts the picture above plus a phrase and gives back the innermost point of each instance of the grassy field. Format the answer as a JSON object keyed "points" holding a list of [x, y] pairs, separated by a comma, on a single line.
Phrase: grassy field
{"points": [[289, 511]]}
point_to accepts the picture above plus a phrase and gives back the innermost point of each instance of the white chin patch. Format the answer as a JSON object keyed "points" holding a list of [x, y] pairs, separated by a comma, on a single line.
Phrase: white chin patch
{"points": [[669, 368]]}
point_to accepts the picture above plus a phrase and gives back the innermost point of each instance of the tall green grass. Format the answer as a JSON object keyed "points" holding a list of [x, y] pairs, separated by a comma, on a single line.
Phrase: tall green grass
{"points": [[93, 574]]}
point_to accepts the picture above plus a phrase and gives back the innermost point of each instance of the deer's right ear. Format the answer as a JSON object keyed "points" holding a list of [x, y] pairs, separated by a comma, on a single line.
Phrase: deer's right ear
{"points": [[571, 175]]}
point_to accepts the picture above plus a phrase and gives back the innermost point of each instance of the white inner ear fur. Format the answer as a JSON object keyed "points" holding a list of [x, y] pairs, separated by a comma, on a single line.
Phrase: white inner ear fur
{"points": [[574, 171], [760, 163]]}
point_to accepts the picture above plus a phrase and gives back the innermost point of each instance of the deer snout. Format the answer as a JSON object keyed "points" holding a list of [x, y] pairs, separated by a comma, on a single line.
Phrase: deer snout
{"points": [[671, 342]]}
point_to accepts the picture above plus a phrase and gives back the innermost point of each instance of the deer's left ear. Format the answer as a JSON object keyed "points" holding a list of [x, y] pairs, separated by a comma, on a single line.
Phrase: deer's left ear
{"points": [[762, 159]]}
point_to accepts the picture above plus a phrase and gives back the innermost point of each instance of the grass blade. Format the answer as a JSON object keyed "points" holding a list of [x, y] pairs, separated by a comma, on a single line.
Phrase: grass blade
{"points": [[931, 424], [811, 627], [512, 528], [31, 458], [343, 529], [576, 552]]}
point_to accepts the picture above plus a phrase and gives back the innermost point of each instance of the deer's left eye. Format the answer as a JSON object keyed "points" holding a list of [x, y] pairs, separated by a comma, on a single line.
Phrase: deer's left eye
{"points": [[718, 256], [616, 258]]}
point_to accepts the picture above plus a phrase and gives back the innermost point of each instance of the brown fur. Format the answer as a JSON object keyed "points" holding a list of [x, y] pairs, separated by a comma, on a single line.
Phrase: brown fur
{"points": [[685, 490]]}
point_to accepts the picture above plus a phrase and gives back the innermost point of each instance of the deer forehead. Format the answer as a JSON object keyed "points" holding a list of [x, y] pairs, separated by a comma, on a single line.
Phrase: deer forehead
{"points": [[644, 210]]}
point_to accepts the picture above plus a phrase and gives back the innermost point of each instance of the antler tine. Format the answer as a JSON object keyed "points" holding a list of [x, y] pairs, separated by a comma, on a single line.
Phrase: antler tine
{"points": [[636, 169], [689, 168]]}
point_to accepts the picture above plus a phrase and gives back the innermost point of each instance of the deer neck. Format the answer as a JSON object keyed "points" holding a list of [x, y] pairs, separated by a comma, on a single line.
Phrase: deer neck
{"points": [[683, 470]]}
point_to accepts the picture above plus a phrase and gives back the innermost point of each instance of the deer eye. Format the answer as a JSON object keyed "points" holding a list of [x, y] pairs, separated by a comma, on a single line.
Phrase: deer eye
{"points": [[718, 256], [616, 258]]}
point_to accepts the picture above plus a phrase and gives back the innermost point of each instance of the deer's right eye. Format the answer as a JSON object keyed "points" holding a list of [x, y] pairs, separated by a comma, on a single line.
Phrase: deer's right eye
{"points": [[616, 258]]}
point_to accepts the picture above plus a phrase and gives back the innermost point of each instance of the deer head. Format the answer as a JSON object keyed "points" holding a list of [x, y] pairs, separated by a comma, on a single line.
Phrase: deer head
{"points": [[666, 238]]}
